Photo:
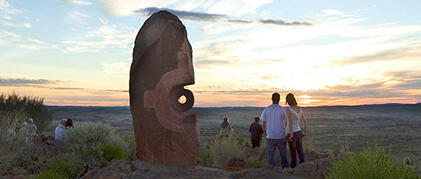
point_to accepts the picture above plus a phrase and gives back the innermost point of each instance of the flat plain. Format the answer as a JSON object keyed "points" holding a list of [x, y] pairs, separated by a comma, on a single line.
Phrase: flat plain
{"points": [[396, 127]]}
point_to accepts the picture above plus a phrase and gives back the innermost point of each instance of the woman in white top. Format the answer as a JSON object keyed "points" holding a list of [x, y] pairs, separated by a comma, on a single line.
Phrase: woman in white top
{"points": [[295, 134]]}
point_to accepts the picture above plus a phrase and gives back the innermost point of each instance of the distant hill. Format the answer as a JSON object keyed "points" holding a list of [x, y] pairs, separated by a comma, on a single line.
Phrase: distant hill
{"points": [[219, 108], [88, 107]]}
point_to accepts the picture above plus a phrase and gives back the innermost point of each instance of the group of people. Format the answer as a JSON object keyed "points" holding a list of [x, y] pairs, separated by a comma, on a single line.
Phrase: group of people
{"points": [[65, 124], [29, 125], [281, 125], [59, 132]]}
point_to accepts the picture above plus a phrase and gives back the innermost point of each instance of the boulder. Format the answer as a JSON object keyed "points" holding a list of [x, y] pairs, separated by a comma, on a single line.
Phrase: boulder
{"points": [[316, 169]]}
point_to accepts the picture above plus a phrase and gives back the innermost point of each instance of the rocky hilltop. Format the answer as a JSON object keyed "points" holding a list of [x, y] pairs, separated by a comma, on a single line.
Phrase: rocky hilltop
{"points": [[139, 169]]}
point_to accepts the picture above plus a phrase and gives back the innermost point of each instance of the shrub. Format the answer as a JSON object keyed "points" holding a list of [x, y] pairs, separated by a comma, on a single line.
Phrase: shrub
{"points": [[50, 174], [224, 149], [94, 144], [33, 107], [15, 145], [130, 149], [65, 165], [110, 152], [370, 163], [205, 159]]}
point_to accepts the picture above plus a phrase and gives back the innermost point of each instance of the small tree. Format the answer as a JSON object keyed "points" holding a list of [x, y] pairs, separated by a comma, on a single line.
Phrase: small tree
{"points": [[33, 107]]}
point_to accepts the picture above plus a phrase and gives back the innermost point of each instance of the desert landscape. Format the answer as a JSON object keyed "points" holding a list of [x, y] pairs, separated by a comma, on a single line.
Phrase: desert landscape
{"points": [[331, 128]]}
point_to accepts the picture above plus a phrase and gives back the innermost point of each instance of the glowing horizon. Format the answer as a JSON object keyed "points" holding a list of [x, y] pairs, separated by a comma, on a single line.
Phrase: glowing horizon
{"points": [[326, 53]]}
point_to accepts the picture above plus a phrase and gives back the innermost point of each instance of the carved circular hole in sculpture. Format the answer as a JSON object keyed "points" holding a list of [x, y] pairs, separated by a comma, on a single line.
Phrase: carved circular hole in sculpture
{"points": [[182, 99], [187, 95]]}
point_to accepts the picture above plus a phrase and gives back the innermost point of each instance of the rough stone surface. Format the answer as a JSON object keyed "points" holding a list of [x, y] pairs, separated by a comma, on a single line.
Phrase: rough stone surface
{"points": [[123, 169], [316, 169], [161, 67], [236, 164]]}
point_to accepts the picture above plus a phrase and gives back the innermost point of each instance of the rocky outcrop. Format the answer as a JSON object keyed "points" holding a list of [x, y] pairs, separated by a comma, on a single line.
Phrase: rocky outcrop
{"points": [[316, 169], [139, 169]]}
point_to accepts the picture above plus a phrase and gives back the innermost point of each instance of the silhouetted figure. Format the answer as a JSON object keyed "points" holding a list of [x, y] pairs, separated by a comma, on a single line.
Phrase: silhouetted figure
{"points": [[274, 122], [226, 128], [256, 131], [295, 115]]}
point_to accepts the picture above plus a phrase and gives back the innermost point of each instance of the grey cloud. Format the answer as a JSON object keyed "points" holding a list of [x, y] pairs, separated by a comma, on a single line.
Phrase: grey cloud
{"points": [[386, 55], [200, 63], [409, 84], [404, 75], [25, 82], [234, 61], [67, 88], [374, 90], [281, 22], [195, 16], [407, 79], [91, 90], [238, 21], [200, 16]]}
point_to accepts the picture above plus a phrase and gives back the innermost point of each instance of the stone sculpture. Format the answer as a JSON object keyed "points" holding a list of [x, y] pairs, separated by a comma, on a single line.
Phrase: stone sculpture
{"points": [[161, 67]]}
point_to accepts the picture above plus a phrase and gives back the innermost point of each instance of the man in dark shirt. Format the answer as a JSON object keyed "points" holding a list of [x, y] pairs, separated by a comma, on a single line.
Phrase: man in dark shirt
{"points": [[256, 131]]}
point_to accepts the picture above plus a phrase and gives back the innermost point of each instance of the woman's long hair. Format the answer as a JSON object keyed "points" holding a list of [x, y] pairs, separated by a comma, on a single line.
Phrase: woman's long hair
{"points": [[290, 100]]}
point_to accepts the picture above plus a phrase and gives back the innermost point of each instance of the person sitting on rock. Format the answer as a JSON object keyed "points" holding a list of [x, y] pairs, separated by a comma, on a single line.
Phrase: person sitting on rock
{"points": [[256, 131], [226, 128]]}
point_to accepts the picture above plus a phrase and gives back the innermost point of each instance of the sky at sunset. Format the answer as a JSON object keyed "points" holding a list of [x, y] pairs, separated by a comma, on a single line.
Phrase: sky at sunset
{"points": [[78, 52]]}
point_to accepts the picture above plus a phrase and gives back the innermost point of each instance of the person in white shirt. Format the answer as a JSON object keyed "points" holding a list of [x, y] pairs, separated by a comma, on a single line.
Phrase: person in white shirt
{"points": [[295, 116], [274, 122], [60, 130]]}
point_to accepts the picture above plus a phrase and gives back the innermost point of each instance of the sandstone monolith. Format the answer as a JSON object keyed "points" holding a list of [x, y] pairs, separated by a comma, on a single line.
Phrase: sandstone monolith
{"points": [[161, 67]]}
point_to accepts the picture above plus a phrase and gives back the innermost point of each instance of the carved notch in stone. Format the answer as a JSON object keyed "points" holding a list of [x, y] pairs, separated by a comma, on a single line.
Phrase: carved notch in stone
{"points": [[161, 67]]}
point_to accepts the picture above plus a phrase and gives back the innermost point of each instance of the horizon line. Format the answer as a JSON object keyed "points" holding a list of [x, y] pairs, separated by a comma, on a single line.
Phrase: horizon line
{"points": [[252, 106]]}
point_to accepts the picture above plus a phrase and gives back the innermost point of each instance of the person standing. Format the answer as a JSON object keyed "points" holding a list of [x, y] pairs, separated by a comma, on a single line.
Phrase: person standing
{"points": [[256, 131], [295, 135], [59, 135], [32, 128], [226, 129], [274, 122], [60, 130], [70, 124]]}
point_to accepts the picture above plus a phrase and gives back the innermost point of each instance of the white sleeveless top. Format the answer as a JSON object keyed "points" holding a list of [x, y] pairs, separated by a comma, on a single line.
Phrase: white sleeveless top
{"points": [[295, 119]]}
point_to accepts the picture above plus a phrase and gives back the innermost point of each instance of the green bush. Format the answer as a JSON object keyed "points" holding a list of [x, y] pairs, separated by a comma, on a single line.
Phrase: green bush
{"points": [[32, 107], [94, 144], [110, 152], [15, 145], [224, 149], [65, 165], [371, 163], [205, 159], [51, 174]]}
